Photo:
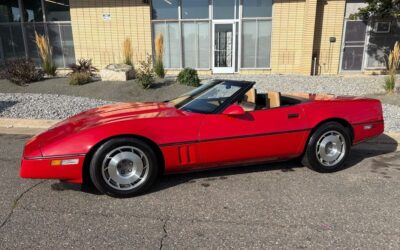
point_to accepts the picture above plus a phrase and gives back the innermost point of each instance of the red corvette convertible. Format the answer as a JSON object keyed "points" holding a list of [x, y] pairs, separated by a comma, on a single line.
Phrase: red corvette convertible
{"points": [[122, 148]]}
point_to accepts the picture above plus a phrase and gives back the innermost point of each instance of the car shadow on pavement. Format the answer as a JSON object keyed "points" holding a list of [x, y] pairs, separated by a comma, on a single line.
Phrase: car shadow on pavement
{"points": [[6, 104], [360, 152]]}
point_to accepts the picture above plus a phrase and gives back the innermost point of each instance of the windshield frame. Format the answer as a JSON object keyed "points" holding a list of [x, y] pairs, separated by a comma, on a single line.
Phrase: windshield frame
{"points": [[190, 96]]}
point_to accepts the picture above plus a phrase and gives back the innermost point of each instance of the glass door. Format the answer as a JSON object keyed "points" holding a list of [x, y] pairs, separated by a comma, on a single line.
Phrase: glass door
{"points": [[224, 47], [353, 49]]}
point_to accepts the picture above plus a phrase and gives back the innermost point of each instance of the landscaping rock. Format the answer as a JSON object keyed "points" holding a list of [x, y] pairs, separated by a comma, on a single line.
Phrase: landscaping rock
{"points": [[117, 72]]}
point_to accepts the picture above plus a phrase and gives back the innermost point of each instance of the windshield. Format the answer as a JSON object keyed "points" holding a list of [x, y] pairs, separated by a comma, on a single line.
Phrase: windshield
{"points": [[208, 98]]}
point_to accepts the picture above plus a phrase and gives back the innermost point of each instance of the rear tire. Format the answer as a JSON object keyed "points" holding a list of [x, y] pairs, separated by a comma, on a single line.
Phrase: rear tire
{"points": [[123, 167], [327, 148]]}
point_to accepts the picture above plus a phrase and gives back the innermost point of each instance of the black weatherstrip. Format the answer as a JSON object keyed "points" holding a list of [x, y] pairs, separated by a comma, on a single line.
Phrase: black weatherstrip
{"points": [[234, 137]]}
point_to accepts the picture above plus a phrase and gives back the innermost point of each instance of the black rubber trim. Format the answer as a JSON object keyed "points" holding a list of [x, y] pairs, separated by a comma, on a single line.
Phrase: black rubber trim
{"points": [[361, 123], [234, 137]]}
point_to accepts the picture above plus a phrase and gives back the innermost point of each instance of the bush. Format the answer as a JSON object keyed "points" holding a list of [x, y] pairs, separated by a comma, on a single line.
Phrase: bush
{"points": [[189, 77], [83, 66], [21, 71], [42, 44], [389, 83], [145, 74], [159, 65], [79, 78]]}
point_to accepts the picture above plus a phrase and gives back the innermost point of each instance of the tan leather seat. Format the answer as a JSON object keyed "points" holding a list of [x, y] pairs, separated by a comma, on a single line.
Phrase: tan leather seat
{"points": [[249, 100], [250, 96], [273, 99]]}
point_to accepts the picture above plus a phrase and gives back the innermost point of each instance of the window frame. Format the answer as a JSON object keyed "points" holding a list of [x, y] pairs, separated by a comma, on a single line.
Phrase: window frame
{"points": [[238, 19]]}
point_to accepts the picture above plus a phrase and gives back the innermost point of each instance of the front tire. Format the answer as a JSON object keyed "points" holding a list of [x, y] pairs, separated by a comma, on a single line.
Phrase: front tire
{"points": [[327, 148], [123, 167]]}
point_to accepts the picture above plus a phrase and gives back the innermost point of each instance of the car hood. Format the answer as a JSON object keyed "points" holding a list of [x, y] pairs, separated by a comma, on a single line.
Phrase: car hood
{"points": [[100, 116], [120, 111]]}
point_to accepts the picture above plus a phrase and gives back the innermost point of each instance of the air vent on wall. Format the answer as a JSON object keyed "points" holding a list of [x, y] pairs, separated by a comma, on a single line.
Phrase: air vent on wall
{"points": [[382, 27]]}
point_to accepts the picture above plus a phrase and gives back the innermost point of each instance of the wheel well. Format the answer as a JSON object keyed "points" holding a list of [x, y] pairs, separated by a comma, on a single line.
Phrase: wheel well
{"points": [[343, 122], [86, 163]]}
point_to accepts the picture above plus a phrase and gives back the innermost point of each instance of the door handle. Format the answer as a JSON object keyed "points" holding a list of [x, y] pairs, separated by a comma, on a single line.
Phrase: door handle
{"points": [[291, 116]]}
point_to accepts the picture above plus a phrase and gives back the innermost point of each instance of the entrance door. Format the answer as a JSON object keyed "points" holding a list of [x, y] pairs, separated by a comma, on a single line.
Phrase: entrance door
{"points": [[353, 49], [224, 47]]}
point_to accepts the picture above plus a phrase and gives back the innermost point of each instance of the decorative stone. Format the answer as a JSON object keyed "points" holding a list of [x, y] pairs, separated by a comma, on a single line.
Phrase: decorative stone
{"points": [[117, 72]]}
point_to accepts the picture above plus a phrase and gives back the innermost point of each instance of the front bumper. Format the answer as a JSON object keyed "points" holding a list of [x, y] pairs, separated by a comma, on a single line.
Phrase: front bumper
{"points": [[42, 168]]}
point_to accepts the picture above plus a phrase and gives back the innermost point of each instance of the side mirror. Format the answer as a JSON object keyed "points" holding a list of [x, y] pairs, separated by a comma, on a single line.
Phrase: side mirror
{"points": [[234, 110]]}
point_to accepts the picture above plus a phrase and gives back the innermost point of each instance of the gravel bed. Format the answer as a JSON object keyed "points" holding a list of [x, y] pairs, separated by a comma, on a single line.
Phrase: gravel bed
{"points": [[349, 85], [391, 115], [44, 106]]}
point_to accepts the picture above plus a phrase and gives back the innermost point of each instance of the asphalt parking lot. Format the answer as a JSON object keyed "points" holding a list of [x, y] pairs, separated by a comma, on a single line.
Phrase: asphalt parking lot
{"points": [[279, 205]]}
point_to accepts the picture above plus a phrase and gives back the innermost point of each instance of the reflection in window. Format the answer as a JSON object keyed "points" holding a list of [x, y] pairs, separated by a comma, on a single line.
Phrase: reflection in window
{"points": [[32, 11], [256, 44], [224, 9], [380, 44], [170, 31], [57, 10], [9, 11], [196, 41], [192, 9], [165, 9], [257, 8]]}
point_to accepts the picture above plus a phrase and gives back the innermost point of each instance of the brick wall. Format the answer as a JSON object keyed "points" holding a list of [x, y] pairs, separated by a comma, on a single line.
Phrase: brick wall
{"points": [[292, 36], [102, 40], [329, 23]]}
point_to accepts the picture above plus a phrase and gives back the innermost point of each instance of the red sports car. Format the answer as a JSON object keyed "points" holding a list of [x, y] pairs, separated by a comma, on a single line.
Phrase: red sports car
{"points": [[122, 148]]}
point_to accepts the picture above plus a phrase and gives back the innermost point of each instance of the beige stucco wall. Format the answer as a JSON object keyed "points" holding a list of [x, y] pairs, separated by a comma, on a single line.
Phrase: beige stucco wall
{"points": [[292, 36], [329, 23], [102, 40]]}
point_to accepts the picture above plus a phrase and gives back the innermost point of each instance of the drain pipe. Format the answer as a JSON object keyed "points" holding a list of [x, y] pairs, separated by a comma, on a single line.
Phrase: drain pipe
{"points": [[314, 66]]}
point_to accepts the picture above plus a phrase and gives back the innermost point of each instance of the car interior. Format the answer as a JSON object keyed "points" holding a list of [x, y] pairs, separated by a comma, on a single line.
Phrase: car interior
{"points": [[257, 101]]}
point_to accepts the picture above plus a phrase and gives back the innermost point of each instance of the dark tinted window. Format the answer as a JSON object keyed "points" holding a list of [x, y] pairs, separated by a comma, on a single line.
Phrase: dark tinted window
{"points": [[162, 9], [192, 9]]}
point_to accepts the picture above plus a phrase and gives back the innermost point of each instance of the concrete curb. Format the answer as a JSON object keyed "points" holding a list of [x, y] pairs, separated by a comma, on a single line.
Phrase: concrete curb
{"points": [[34, 126], [24, 126]]}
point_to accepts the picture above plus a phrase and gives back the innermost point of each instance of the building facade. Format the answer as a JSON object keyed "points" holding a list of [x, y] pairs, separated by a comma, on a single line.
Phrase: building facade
{"points": [[213, 36]]}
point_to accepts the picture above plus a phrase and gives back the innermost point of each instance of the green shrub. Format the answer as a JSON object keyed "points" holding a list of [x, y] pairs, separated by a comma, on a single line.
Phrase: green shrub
{"points": [[159, 49], [83, 66], [390, 81], [145, 74], [21, 71], [79, 78], [159, 69], [189, 77]]}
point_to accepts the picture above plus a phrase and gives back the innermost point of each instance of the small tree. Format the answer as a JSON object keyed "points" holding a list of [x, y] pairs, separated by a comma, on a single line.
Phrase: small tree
{"points": [[159, 47], [392, 66], [379, 9], [44, 48], [127, 52]]}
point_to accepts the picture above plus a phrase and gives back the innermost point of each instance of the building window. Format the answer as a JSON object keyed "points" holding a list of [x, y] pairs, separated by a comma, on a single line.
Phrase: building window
{"points": [[195, 9], [187, 24], [257, 8], [32, 11], [224, 9], [9, 11], [196, 48], [170, 32], [256, 44], [380, 44], [57, 10], [165, 9], [18, 39]]}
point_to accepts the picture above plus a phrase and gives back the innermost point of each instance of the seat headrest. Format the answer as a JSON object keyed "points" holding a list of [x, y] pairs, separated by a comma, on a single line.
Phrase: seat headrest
{"points": [[273, 99]]}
